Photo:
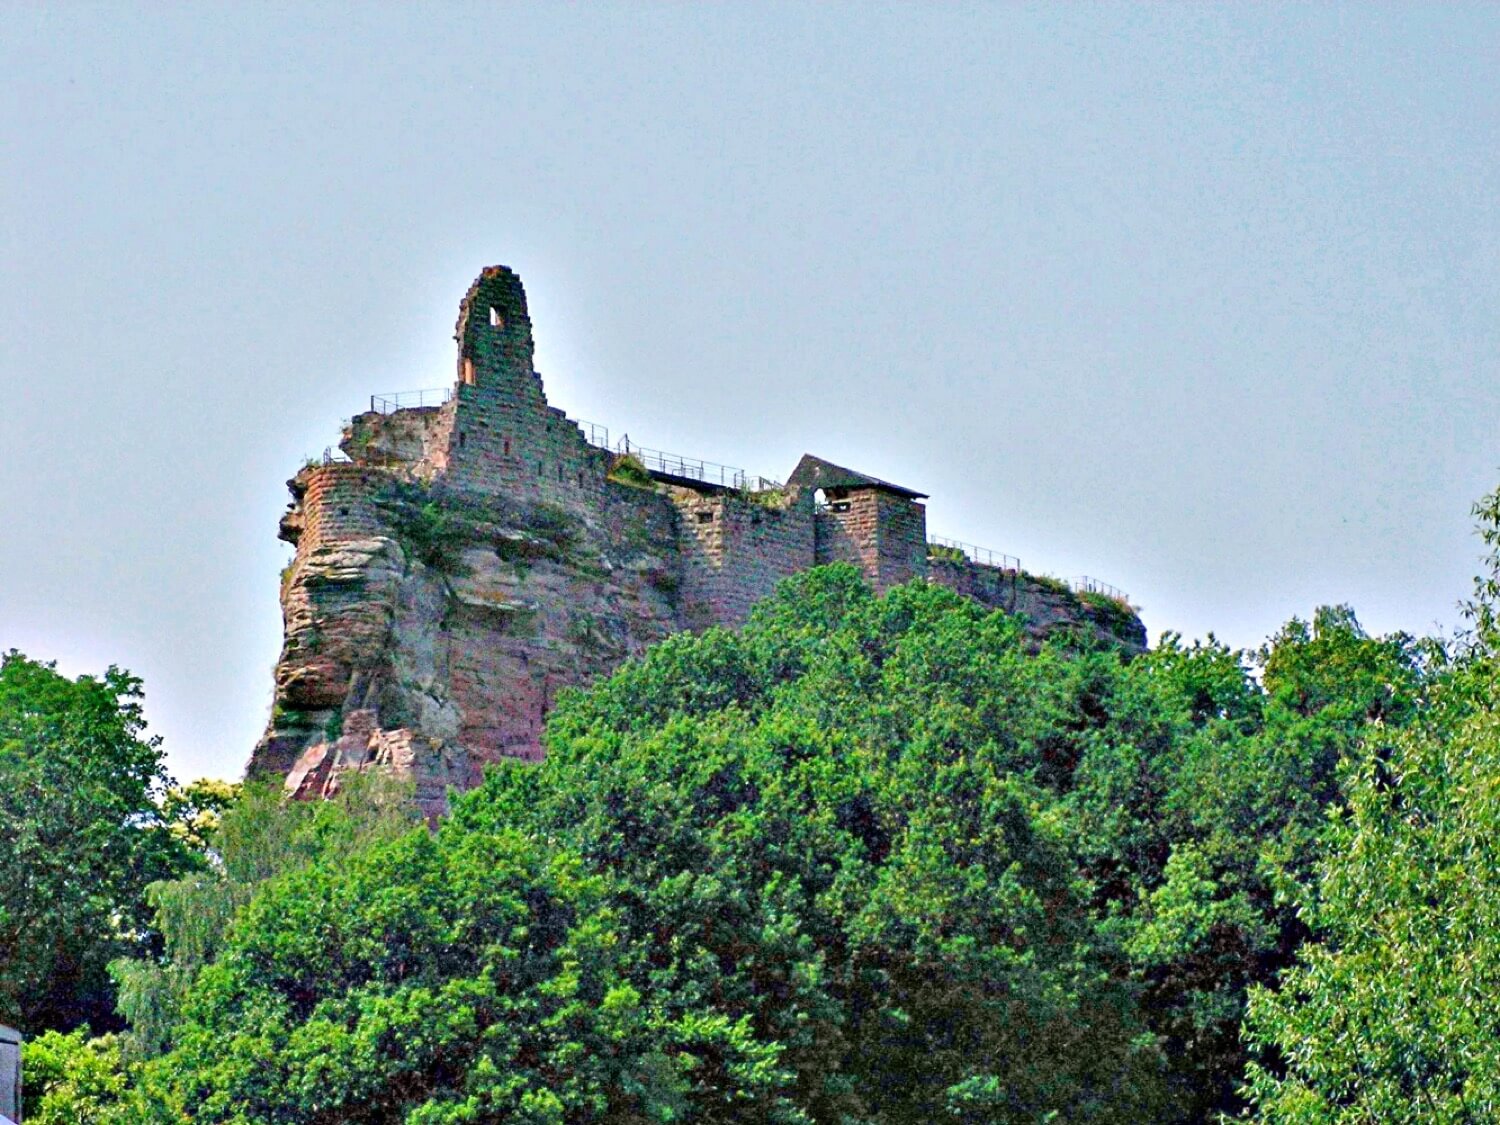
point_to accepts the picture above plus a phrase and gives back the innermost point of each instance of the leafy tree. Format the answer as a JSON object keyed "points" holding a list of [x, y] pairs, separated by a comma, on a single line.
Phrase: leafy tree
{"points": [[809, 872], [436, 980], [835, 826], [73, 1080], [1219, 791], [868, 860], [81, 836], [1387, 1015], [196, 810], [252, 835]]}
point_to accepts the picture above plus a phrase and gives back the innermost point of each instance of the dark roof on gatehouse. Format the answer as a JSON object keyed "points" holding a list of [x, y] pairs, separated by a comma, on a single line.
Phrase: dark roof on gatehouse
{"points": [[814, 472]]}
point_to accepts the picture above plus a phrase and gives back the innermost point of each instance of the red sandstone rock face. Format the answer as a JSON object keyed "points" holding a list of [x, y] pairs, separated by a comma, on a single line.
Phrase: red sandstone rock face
{"points": [[469, 561], [432, 663]]}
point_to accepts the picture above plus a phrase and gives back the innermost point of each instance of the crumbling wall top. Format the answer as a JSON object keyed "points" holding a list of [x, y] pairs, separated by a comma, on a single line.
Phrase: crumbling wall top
{"points": [[494, 329]]}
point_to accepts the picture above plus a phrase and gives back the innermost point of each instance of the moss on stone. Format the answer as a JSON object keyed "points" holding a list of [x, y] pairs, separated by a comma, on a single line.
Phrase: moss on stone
{"points": [[629, 471]]}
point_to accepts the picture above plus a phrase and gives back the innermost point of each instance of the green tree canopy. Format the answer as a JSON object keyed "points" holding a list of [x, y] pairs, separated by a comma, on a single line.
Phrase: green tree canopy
{"points": [[81, 836], [868, 860], [1389, 1015]]}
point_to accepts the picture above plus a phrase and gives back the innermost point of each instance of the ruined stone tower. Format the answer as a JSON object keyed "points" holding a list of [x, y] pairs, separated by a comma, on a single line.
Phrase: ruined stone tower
{"points": [[475, 550]]}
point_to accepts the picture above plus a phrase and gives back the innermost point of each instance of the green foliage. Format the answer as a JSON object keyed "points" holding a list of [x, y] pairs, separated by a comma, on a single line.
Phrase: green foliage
{"points": [[1115, 614], [828, 824], [195, 811], [940, 553], [1049, 584], [467, 976], [1388, 1013], [74, 1080], [870, 860], [1202, 825], [259, 837], [437, 525], [1333, 668], [1390, 1016], [431, 532], [775, 498], [628, 470], [284, 717], [81, 835]]}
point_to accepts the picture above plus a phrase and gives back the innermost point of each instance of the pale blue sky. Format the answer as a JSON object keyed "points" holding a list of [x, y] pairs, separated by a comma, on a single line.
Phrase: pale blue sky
{"points": [[1201, 301]]}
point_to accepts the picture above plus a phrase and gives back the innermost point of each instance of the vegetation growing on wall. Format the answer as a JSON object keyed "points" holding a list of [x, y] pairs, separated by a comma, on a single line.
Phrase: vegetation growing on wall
{"points": [[775, 498], [429, 527], [938, 552], [627, 469], [1114, 614], [1049, 584], [436, 526]]}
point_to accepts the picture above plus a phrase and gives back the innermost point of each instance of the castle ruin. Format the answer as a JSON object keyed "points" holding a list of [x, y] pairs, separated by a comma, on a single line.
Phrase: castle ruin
{"points": [[469, 557]]}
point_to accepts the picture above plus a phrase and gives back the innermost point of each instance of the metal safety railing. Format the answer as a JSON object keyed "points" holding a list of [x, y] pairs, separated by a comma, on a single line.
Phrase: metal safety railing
{"points": [[678, 465], [393, 401], [980, 555], [593, 433], [1086, 585], [681, 465]]}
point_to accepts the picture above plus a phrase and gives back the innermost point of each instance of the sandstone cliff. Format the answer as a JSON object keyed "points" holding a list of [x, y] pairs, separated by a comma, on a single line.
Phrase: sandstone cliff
{"points": [[471, 559]]}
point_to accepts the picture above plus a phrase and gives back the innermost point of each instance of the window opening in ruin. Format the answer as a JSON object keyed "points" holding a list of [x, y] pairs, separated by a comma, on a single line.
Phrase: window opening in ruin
{"points": [[468, 375], [705, 517], [461, 438], [580, 478], [559, 474], [496, 320], [538, 468], [343, 511], [839, 506], [507, 447]]}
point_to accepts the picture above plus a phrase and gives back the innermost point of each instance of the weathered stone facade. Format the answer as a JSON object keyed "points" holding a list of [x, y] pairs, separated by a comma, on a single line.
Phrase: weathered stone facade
{"points": [[470, 560]]}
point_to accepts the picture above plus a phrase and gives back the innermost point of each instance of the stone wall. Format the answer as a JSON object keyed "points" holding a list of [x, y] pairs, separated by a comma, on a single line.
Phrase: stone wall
{"points": [[472, 560], [505, 441], [883, 534], [901, 543], [401, 440], [736, 548]]}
